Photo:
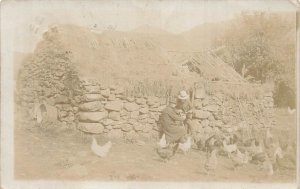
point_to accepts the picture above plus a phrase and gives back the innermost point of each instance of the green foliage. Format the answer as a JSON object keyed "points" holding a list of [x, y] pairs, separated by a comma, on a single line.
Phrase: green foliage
{"points": [[261, 46]]}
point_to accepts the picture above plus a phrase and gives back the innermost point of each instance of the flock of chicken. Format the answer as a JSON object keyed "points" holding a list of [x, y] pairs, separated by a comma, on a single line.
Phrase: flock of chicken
{"points": [[266, 153]]}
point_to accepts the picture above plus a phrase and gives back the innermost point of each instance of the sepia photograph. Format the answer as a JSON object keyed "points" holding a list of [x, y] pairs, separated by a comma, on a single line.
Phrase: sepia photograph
{"points": [[122, 94]]}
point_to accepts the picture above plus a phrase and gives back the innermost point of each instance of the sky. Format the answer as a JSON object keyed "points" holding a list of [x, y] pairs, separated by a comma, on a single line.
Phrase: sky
{"points": [[24, 22]]}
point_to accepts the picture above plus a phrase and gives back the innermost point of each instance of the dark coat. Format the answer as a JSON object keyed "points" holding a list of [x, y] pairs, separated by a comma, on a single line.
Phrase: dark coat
{"points": [[172, 124]]}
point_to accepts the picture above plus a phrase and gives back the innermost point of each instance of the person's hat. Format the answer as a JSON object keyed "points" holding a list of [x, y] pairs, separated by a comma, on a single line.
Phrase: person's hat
{"points": [[183, 95]]}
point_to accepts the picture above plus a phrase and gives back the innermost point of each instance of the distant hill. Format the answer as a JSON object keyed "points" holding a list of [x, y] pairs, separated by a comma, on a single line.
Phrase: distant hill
{"points": [[202, 36]]}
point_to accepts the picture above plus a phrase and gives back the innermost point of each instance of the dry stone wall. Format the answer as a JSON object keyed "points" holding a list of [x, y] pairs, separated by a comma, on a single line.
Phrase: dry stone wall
{"points": [[97, 109], [108, 110]]}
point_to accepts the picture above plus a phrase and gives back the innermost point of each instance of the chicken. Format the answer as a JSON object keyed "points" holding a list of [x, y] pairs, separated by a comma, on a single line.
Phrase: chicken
{"points": [[211, 143], [288, 161], [268, 168], [269, 160], [211, 162], [185, 147], [100, 151], [165, 153], [240, 159], [229, 148], [162, 142], [291, 111], [275, 156], [254, 148]]}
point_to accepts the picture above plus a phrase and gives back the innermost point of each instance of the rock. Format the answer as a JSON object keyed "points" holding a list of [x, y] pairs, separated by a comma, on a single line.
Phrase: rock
{"points": [[105, 93], [144, 110], [115, 134], [200, 114], [92, 97], [78, 99], [114, 105], [95, 128], [63, 114], [151, 121], [211, 123], [205, 123], [143, 116], [200, 93], [126, 127], [67, 107], [155, 106], [132, 121], [211, 118], [212, 108], [92, 89], [154, 116], [147, 128], [105, 130], [218, 123], [130, 99], [71, 117], [92, 116], [131, 107], [124, 113], [61, 99], [91, 106], [109, 127], [143, 121], [114, 115], [112, 97], [139, 127], [134, 114], [141, 101], [207, 130], [107, 122], [75, 109]]}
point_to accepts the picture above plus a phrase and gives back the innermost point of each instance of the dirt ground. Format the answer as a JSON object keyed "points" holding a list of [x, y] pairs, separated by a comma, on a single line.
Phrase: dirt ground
{"points": [[66, 154]]}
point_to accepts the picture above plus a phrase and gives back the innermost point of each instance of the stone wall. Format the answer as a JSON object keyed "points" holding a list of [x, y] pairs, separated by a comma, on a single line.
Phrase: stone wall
{"points": [[110, 111], [97, 109]]}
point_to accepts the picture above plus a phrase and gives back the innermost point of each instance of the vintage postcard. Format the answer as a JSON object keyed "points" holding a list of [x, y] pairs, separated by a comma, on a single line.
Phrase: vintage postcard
{"points": [[149, 94]]}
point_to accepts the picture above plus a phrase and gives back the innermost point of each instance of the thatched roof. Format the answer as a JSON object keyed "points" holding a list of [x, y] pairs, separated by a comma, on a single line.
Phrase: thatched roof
{"points": [[208, 65]]}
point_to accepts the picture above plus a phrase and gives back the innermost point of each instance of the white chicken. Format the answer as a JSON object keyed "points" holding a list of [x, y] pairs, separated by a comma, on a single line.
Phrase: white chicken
{"points": [[185, 147], [229, 148], [100, 151], [291, 111], [162, 142]]}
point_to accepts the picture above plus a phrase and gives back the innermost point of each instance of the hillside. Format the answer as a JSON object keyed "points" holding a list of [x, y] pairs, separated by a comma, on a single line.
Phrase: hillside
{"points": [[115, 56]]}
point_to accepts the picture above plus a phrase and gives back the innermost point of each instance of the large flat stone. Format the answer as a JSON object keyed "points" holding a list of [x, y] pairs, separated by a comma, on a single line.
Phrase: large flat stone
{"points": [[131, 107], [91, 106], [114, 105], [92, 116]]}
